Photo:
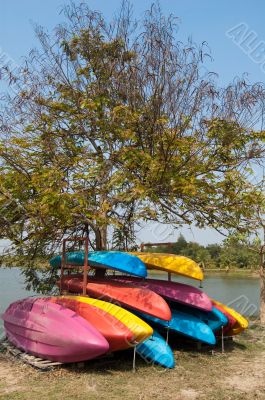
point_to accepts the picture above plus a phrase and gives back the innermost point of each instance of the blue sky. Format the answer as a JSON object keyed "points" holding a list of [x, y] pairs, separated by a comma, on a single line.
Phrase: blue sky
{"points": [[204, 20]]}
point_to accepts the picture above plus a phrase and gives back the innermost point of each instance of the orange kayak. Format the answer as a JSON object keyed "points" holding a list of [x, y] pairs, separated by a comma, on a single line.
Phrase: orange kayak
{"points": [[127, 295], [117, 334]]}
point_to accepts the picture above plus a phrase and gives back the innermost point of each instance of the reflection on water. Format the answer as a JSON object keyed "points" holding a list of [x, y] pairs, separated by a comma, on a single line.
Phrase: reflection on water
{"points": [[241, 293]]}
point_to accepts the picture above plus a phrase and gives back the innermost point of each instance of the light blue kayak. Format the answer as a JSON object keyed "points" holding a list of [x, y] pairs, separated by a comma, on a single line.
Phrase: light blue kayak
{"points": [[185, 324], [215, 319], [115, 260], [155, 349]]}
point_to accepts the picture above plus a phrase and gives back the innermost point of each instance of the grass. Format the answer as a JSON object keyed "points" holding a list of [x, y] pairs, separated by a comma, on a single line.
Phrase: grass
{"points": [[237, 374]]}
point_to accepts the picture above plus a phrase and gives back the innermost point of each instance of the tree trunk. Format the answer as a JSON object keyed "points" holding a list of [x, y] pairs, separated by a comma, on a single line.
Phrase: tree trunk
{"points": [[101, 244], [262, 285]]}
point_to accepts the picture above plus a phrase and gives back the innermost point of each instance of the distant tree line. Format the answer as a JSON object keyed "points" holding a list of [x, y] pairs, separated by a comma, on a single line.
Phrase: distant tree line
{"points": [[228, 254]]}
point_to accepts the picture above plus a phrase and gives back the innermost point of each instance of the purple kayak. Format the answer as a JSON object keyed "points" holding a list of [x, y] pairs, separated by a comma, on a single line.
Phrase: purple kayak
{"points": [[173, 291], [52, 332]]}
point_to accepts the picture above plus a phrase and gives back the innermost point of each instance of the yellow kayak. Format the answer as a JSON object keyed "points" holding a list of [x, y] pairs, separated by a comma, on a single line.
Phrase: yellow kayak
{"points": [[241, 322], [140, 329], [171, 263]]}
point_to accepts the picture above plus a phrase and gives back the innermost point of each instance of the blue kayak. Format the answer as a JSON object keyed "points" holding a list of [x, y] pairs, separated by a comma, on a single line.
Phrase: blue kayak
{"points": [[115, 260], [185, 324], [155, 349], [215, 319]]}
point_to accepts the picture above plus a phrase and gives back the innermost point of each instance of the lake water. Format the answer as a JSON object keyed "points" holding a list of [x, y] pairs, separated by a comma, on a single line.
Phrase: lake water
{"points": [[241, 293]]}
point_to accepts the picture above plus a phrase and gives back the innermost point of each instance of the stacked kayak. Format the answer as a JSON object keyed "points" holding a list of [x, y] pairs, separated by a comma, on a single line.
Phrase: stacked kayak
{"points": [[124, 294], [173, 291], [171, 263], [113, 260], [50, 331], [122, 311], [121, 328]]}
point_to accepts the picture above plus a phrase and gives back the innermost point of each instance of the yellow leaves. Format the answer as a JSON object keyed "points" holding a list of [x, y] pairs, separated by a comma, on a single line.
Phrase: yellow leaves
{"points": [[162, 120], [89, 104], [120, 110], [59, 106], [20, 142], [105, 206]]}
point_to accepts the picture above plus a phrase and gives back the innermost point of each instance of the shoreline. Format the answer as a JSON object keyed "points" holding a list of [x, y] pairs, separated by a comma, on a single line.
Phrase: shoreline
{"points": [[217, 272]]}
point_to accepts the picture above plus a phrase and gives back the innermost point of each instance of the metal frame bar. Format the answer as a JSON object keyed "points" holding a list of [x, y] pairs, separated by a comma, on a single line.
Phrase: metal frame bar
{"points": [[65, 266], [169, 244]]}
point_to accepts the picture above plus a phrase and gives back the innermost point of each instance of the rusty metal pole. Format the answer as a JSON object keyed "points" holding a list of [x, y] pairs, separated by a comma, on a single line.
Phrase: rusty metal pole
{"points": [[85, 267], [63, 265]]}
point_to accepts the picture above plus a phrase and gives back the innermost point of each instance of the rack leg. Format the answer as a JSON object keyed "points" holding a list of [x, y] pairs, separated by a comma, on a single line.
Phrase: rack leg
{"points": [[223, 343], [167, 334], [134, 358]]}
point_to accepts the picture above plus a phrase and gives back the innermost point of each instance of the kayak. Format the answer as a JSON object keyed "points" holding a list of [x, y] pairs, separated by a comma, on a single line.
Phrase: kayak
{"points": [[120, 328], [241, 322], [215, 319], [52, 332], [156, 350], [171, 263], [115, 260], [174, 291], [231, 320], [184, 324], [127, 295]]}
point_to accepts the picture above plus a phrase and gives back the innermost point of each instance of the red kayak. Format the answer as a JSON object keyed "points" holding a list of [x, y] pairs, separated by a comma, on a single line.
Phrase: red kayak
{"points": [[115, 332], [127, 295]]}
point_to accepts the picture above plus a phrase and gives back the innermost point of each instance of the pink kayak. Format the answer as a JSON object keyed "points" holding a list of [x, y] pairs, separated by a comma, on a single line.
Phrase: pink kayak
{"points": [[52, 332], [174, 291]]}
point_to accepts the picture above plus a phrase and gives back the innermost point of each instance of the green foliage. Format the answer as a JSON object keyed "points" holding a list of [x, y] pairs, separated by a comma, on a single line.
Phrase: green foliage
{"points": [[107, 126], [232, 253]]}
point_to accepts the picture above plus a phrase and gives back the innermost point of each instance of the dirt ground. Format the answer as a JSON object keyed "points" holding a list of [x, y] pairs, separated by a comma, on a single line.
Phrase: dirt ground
{"points": [[198, 375]]}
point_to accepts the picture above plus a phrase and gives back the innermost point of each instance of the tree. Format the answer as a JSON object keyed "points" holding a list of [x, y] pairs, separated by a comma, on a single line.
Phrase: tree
{"points": [[115, 123], [254, 240], [239, 253], [214, 250]]}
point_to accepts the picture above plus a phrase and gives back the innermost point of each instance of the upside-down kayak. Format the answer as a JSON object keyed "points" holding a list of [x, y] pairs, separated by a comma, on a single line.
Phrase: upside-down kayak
{"points": [[155, 349], [127, 295], [241, 322], [215, 319], [121, 328], [184, 324], [231, 320], [171, 263], [115, 260], [174, 291], [52, 332]]}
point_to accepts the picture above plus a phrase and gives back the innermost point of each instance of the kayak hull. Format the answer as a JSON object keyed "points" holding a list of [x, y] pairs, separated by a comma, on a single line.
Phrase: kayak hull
{"points": [[115, 260], [156, 350], [215, 319], [174, 291], [52, 332], [120, 328], [126, 295], [171, 263], [185, 324], [241, 322], [117, 334], [231, 320]]}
